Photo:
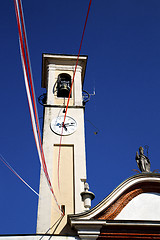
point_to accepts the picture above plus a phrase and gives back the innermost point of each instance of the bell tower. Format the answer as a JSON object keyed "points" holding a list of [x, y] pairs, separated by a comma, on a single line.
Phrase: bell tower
{"points": [[66, 161]]}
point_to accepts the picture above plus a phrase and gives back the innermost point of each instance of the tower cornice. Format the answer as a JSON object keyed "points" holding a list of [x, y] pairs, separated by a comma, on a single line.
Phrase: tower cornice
{"points": [[62, 62]]}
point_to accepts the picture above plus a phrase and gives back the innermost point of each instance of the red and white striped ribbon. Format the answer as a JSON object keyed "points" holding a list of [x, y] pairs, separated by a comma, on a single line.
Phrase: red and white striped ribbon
{"points": [[12, 170], [30, 90]]}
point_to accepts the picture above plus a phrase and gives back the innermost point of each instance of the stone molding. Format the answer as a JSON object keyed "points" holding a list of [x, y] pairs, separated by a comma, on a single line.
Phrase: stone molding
{"points": [[112, 211], [99, 223], [87, 229], [123, 229], [54, 67], [115, 229], [131, 185]]}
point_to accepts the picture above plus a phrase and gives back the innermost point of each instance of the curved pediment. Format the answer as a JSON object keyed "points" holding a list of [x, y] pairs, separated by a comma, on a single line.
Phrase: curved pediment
{"points": [[137, 198], [132, 210]]}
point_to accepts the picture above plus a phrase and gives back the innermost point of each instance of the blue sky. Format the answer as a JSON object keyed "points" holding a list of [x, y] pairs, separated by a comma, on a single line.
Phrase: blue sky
{"points": [[122, 41]]}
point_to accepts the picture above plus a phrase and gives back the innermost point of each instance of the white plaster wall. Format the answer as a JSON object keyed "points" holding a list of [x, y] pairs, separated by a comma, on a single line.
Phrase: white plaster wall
{"points": [[49, 139], [77, 139], [145, 206], [38, 237]]}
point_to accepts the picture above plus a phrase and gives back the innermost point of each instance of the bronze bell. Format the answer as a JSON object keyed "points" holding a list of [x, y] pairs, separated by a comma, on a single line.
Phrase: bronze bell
{"points": [[63, 89], [63, 85]]}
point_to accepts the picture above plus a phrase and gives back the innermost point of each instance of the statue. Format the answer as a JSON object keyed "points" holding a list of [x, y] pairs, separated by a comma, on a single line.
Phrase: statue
{"points": [[142, 161]]}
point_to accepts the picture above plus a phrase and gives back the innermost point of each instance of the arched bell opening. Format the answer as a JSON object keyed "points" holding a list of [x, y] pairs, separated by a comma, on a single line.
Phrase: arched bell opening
{"points": [[63, 85]]}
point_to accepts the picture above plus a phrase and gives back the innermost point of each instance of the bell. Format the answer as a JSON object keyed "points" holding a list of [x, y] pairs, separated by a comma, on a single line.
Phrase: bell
{"points": [[63, 85], [63, 89]]}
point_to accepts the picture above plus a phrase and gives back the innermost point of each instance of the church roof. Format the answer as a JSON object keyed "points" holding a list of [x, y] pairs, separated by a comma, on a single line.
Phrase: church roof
{"points": [[134, 203]]}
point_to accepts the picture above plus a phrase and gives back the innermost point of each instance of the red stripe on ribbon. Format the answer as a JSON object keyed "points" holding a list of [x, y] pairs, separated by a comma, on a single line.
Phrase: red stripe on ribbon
{"points": [[28, 75], [72, 87]]}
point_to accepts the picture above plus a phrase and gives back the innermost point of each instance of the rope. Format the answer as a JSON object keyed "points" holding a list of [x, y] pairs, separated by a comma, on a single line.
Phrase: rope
{"points": [[72, 85], [13, 171], [77, 59], [30, 91]]}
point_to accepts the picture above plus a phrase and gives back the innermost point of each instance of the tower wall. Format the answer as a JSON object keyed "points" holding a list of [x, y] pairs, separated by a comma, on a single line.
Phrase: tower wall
{"points": [[71, 165]]}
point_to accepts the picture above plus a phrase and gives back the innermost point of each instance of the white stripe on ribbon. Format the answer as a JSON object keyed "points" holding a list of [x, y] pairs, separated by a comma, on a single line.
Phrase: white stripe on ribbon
{"points": [[32, 114], [12, 169]]}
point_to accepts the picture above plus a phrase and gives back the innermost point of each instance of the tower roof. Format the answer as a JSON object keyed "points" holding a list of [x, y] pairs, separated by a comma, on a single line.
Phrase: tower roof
{"points": [[62, 59]]}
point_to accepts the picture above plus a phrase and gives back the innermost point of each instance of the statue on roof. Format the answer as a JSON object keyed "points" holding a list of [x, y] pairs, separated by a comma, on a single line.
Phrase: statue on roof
{"points": [[142, 161]]}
